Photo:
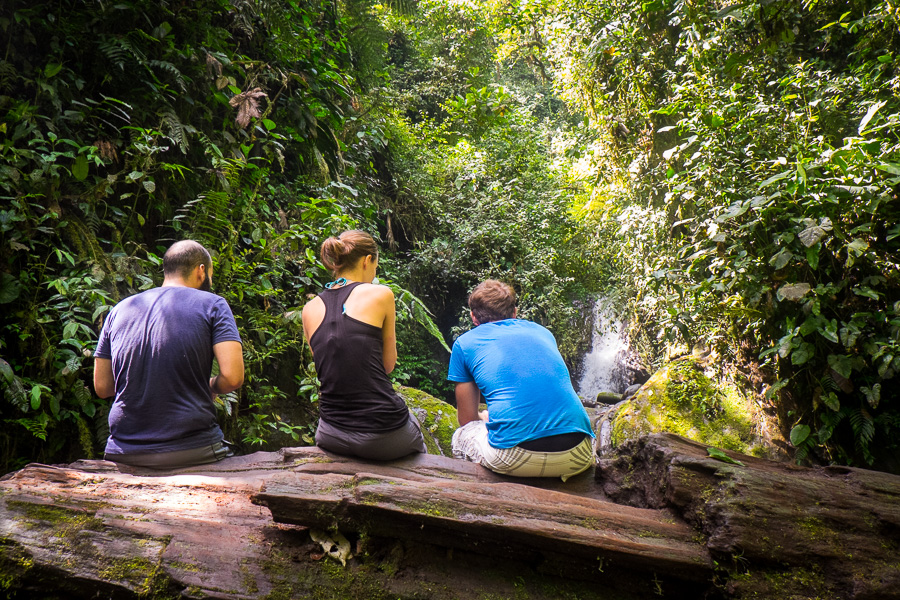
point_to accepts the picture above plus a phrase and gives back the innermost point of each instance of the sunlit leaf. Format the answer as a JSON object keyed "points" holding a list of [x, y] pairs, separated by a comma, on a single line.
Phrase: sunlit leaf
{"points": [[799, 434]]}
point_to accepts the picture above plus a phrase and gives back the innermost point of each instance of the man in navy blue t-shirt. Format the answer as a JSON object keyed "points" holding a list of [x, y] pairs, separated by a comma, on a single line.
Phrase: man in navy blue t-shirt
{"points": [[535, 424], [155, 356]]}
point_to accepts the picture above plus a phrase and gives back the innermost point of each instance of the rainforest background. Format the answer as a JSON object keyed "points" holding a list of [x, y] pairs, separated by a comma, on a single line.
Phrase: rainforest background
{"points": [[726, 173]]}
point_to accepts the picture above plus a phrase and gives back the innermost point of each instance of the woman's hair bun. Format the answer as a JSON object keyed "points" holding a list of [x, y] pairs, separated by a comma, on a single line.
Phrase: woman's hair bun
{"points": [[345, 251]]}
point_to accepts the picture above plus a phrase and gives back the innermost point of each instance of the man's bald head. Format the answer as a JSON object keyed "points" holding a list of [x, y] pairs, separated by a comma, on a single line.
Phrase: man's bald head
{"points": [[183, 257]]}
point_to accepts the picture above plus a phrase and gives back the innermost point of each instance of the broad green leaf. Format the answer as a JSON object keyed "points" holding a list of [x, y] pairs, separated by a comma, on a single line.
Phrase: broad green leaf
{"points": [[149, 185], [811, 235], [830, 331], [35, 397], [857, 246], [720, 455], [781, 259], [270, 124], [775, 178], [889, 168], [70, 329], [873, 395], [52, 69], [812, 257], [866, 292], [80, 168], [10, 288], [6, 371], [812, 323], [869, 114], [735, 210], [831, 401], [802, 354], [799, 434], [842, 364]]}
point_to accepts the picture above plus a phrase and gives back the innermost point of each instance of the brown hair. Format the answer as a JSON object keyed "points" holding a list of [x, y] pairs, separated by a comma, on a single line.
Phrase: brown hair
{"points": [[346, 250], [492, 300], [183, 257]]}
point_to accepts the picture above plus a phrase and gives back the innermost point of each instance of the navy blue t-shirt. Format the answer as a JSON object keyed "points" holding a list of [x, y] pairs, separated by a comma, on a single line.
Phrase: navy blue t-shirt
{"points": [[160, 342]]}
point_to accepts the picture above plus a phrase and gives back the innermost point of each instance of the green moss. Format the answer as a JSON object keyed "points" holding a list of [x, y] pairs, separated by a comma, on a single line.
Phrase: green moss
{"points": [[142, 575], [431, 509], [440, 419], [65, 522], [681, 399], [14, 564]]}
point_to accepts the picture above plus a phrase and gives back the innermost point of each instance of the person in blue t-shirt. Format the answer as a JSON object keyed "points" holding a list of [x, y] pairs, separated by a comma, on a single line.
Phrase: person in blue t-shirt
{"points": [[535, 424], [155, 356]]}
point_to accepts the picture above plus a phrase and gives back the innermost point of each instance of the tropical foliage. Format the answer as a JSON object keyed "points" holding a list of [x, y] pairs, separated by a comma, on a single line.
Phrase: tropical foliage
{"points": [[748, 164], [728, 172]]}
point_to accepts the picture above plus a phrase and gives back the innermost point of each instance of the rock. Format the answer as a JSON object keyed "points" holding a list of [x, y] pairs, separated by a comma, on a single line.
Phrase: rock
{"points": [[681, 398], [778, 530], [437, 418], [608, 397], [631, 390]]}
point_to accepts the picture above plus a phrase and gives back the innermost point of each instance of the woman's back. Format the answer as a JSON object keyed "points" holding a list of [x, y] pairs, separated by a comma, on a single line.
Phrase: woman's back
{"points": [[355, 394]]}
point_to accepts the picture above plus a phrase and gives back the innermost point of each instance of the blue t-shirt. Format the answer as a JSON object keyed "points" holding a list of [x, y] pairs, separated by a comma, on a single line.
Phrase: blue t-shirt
{"points": [[518, 368], [160, 342]]}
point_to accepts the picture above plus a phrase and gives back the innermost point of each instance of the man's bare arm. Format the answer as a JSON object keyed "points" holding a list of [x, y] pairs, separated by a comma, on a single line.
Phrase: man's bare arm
{"points": [[104, 381], [231, 368], [467, 398]]}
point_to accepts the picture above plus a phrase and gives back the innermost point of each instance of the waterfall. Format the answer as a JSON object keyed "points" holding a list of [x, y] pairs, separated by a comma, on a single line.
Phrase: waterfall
{"points": [[603, 369]]}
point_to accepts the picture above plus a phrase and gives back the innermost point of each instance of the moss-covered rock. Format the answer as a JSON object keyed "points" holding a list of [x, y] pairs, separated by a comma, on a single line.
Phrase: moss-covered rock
{"points": [[681, 398], [438, 419]]}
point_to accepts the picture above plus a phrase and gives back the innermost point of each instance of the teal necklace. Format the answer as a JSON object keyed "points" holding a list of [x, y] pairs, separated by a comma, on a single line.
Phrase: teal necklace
{"points": [[340, 281]]}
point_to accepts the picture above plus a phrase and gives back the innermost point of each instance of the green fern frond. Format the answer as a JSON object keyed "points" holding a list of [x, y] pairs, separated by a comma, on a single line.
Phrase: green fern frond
{"points": [[208, 216], [863, 432], [173, 129], [8, 76], [171, 70], [120, 52]]}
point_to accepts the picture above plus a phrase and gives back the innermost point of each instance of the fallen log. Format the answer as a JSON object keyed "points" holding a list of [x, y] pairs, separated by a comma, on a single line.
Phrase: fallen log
{"points": [[511, 519], [97, 529], [662, 517], [779, 530]]}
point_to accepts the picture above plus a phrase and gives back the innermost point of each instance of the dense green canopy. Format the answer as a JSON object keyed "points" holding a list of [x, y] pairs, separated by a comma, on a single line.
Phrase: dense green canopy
{"points": [[726, 173]]}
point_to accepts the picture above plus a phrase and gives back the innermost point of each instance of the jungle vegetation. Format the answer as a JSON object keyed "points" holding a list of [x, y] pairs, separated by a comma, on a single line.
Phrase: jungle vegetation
{"points": [[727, 172]]}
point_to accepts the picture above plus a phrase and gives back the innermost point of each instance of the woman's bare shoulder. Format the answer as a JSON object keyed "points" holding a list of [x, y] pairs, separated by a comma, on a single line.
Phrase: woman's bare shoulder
{"points": [[313, 307], [376, 291]]}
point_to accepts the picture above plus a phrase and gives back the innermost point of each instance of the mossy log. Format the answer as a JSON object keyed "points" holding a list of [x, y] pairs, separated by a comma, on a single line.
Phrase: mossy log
{"points": [[495, 516], [779, 530], [662, 518], [97, 529]]}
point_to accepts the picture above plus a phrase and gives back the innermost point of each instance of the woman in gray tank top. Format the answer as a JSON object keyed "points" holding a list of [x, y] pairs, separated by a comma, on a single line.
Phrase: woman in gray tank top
{"points": [[350, 327]]}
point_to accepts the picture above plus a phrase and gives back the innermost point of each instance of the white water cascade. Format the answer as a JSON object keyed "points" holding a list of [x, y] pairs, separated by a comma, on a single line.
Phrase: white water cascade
{"points": [[603, 367]]}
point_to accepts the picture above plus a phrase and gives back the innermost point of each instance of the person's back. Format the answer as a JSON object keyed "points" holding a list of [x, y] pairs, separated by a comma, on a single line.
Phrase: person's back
{"points": [[517, 367], [535, 424], [350, 327], [155, 356], [160, 345]]}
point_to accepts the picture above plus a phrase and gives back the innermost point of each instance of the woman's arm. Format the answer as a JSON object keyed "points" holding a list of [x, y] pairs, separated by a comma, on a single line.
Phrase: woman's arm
{"points": [[374, 304], [388, 330]]}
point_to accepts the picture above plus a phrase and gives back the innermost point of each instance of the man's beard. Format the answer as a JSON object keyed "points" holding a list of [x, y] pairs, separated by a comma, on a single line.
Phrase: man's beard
{"points": [[206, 286]]}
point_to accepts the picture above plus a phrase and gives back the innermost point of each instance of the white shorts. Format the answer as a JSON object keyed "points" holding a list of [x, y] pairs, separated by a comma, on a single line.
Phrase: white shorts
{"points": [[470, 442]]}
